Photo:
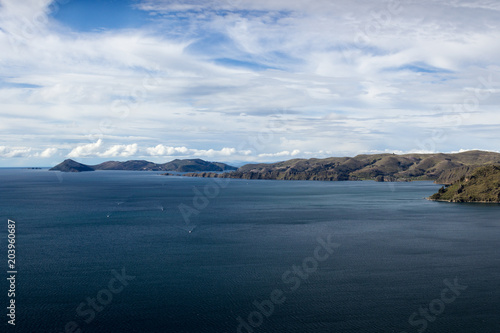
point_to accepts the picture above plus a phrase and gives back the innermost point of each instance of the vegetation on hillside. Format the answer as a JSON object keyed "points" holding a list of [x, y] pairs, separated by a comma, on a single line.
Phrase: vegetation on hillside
{"points": [[482, 185], [444, 168]]}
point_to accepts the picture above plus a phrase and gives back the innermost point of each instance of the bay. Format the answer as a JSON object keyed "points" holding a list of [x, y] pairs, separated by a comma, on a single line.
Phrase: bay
{"points": [[395, 252]]}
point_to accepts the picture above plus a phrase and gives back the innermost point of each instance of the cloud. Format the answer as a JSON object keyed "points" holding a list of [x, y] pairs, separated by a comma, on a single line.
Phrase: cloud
{"points": [[162, 150], [295, 152], [213, 153], [94, 150], [120, 150], [87, 150], [209, 73], [26, 152], [24, 19], [49, 152], [6, 152], [466, 150]]}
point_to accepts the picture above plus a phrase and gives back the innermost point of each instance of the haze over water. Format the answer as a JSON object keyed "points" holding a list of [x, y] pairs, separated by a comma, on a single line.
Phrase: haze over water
{"points": [[395, 250]]}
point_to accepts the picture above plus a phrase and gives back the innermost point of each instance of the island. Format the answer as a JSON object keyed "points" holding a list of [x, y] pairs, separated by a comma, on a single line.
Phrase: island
{"points": [[71, 166], [187, 165]]}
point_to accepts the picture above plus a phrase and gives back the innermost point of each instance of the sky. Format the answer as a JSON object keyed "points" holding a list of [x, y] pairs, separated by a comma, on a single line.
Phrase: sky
{"points": [[245, 80]]}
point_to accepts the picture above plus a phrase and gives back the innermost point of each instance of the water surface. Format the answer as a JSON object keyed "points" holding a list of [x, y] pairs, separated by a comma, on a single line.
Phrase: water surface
{"points": [[396, 249]]}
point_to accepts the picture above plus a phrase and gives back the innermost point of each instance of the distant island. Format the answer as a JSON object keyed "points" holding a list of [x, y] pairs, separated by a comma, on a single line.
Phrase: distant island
{"points": [[71, 166], [187, 165], [481, 185]]}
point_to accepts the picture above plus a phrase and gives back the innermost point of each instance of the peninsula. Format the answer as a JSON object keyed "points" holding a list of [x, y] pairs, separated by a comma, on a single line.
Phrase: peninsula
{"points": [[441, 168], [481, 185]]}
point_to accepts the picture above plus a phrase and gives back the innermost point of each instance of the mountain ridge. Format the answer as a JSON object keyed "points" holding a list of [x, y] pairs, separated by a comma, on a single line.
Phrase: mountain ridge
{"points": [[439, 167], [177, 165]]}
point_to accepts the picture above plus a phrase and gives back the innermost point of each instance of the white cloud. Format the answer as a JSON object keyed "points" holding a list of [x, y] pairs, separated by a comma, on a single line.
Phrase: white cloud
{"points": [[95, 150], [24, 19], [120, 151], [6, 152], [295, 152], [466, 150], [133, 150], [49, 152], [90, 149], [26, 152], [211, 80], [214, 153], [161, 150]]}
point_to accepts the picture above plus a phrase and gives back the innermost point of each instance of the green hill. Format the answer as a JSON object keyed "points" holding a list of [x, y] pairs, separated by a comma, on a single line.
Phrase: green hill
{"points": [[481, 185]]}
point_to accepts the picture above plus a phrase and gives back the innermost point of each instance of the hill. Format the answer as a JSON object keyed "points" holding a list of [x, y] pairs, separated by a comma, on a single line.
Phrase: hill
{"points": [[128, 165], [379, 167], [195, 165], [188, 165], [481, 185], [71, 166]]}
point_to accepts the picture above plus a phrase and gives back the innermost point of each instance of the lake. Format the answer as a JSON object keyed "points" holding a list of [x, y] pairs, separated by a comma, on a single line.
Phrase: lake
{"points": [[119, 251]]}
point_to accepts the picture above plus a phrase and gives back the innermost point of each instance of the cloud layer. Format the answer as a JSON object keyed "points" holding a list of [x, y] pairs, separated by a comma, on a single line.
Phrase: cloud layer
{"points": [[250, 80]]}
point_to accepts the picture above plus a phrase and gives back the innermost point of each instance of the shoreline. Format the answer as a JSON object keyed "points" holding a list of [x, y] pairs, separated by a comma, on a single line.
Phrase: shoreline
{"points": [[451, 201]]}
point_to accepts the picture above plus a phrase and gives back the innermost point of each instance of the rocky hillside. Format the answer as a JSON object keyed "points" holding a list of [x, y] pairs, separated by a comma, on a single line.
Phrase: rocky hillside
{"points": [[443, 168], [482, 185], [450, 176]]}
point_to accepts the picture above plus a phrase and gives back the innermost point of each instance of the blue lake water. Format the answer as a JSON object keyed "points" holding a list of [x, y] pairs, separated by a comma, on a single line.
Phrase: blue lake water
{"points": [[251, 242]]}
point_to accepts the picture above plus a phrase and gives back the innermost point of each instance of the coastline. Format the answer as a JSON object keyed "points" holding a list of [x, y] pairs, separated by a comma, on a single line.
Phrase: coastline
{"points": [[453, 201]]}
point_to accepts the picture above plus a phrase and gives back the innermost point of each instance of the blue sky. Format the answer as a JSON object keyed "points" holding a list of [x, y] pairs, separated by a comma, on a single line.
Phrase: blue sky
{"points": [[245, 80], [98, 15]]}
